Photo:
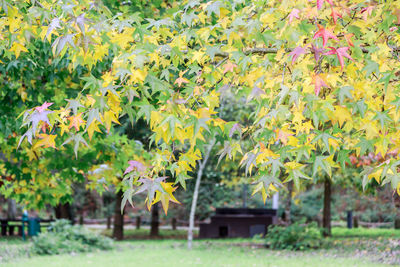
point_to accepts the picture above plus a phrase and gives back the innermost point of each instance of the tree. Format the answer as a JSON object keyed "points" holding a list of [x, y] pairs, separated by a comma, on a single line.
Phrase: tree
{"points": [[341, 95]]}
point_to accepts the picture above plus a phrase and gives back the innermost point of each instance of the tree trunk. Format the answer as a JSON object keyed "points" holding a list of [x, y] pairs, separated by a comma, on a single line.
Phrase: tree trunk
{"points": [[326, 219], [138, 222], [154, 230], [174, 224], [288, 206], [396, 209], [109, 222], [118, 230], [202, 165], [63, 211], [11, 209]]}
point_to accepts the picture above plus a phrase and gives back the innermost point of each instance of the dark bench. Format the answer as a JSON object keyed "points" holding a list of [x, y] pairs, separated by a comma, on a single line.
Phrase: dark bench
{"points": [[7, 226]]}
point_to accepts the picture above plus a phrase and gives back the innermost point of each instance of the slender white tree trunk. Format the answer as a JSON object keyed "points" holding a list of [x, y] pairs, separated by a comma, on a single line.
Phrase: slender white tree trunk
{"points": [[202, 165], [275, 201]]}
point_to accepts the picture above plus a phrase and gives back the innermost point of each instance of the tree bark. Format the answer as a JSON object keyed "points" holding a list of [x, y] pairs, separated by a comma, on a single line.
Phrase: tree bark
{"points": [[155, 223], [288, 206], [108, 222], [118, 230], [63, 211], [11, 209], [326, 219], [396, 209], [202, 165], [138, 222]]}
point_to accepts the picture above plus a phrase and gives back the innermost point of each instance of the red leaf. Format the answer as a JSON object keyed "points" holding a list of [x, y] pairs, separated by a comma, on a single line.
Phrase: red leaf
{"points": [[340, 53], [335, 15], [325, 34]]}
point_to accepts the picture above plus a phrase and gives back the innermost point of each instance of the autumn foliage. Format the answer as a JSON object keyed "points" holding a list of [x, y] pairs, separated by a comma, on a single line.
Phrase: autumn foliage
{"points": [[322, 77]]}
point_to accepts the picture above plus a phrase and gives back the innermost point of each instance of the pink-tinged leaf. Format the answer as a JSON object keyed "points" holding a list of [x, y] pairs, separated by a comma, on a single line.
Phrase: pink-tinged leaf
{"points": [[317, 52], [255, 93], [135, 165], [37, 117], [294, 14], [335, 15], [318, 83], [43, 107], [297, 52], [321, 2], [235, 128], [367, 11], [229, 67], [325, 34], [340, 53]]}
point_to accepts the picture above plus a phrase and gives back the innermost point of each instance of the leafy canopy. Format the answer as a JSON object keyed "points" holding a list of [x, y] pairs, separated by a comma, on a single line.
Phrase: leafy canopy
{"points": [[322, 76]]}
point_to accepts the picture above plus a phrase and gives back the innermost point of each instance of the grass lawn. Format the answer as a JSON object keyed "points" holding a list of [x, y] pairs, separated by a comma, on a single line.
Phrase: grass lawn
{"points": [[348, 247], [145, 234], [174, 253]]}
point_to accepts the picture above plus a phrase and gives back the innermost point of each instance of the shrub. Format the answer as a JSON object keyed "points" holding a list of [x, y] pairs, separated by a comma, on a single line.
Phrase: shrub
{"points": [[294, 237], [62, 237]]}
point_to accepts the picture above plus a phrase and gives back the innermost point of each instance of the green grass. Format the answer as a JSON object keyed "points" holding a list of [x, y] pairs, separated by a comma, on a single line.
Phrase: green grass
{"points": [[174, 253], [145, 234], [361, 232], [347, 247]]}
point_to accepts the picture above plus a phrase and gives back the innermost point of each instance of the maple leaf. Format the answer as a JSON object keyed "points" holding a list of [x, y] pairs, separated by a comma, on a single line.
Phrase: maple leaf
{"points": [[318, 83], [321, 2], [43, 107], [37, 117], [46, 140], [151, 186], [367, 11], [181, 80], [93, 127], [17, 49], [335, 15], [110, 116], [135, 165], [325, 34], [235, 128], [340, 53], [348, 39], [317, 52], [76, 121], [166, 196], [297, 52], [294, 14], [229, 66], [283, 135]]}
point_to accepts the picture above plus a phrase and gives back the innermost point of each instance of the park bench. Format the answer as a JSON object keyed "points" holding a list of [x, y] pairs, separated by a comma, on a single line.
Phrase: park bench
{"points": [[8, 226]]}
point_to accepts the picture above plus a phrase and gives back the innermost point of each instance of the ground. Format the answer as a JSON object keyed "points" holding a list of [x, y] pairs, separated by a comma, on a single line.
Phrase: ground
{"points": [[356, 247]]}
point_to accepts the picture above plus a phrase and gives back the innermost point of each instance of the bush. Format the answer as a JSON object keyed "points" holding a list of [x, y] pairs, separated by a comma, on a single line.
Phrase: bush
{"points": [[63, 237], [294, 237]]}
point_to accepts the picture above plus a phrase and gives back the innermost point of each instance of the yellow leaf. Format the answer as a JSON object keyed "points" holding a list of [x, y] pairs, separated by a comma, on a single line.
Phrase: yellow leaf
{"points": [[108, 118], [47, 140], [166, 196], [376, 175], [93, 127], [17, 49]]}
